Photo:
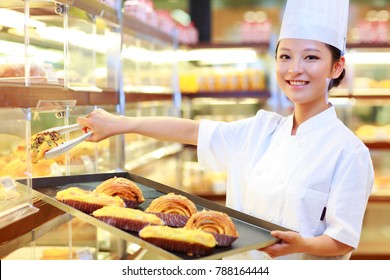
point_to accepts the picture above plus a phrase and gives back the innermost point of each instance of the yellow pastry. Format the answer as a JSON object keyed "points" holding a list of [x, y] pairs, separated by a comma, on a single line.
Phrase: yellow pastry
{"points": [[192, 242], [87, 201], [126, 218]]}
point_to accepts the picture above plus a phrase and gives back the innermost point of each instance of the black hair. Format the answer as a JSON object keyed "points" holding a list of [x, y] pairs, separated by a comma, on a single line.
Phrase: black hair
{"points": [[336, 55]]}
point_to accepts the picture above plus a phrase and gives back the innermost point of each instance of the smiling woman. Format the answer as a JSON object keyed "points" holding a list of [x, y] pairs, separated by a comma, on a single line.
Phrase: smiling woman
{"points": [[306, 172]]}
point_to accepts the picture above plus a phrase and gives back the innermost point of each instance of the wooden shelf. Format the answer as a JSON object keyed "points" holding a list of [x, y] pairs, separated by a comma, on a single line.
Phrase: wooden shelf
{"points": [[28, 96], [96, 8], [141, 97], [379, 145], [133, 25], [229, 45], [368, 45], [229, 94]]}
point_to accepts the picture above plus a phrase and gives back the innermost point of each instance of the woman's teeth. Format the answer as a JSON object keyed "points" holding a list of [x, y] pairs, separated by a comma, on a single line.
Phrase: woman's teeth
{"points": [[297, 83]]}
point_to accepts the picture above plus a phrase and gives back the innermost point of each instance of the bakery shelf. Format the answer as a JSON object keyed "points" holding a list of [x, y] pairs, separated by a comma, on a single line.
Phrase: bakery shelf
{"points": [[378, 145], [141, 97], [95, 7], [229, 45], [229, 94], [368, 46], [131, 24], [28, 96], [30, 228], [254, 233]]}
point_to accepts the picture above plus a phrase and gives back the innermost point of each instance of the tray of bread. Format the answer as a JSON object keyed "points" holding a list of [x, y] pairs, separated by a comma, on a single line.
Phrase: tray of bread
{"points": [[171, 222]]}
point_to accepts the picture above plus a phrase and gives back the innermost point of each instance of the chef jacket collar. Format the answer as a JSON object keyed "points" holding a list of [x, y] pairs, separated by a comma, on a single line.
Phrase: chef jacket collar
{"points": [[317, 121]]}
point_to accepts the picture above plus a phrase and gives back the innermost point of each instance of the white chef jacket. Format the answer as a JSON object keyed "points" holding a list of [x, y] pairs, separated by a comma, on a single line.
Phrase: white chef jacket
{"points": [[315, 182]]}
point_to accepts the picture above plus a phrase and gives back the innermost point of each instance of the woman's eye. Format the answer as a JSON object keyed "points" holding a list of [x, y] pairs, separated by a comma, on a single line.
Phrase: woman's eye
{"points": [[284, 56], [312, 57]]}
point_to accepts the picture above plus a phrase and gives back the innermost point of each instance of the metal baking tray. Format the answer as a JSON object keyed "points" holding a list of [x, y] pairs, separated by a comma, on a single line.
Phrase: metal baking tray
{"points": [[253, 233]]}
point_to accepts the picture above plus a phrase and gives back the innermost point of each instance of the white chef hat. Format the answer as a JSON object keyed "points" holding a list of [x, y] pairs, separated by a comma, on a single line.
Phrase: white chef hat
{"points": [[321, 20]]}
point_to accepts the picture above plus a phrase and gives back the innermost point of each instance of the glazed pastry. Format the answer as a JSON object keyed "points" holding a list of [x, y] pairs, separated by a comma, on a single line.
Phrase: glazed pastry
{"points": [[87, 201], [217, 223], [191, 242], [126, 218], [40, 144], [123, 188], [173, 209]]}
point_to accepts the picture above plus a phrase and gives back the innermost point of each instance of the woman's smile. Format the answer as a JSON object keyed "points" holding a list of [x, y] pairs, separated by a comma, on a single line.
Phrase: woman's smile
{"points": [[297, 83]]}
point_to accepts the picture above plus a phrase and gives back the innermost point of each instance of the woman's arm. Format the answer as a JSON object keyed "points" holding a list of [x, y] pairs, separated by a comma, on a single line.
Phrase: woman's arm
{"points": [[292, 242], [103, 125]]}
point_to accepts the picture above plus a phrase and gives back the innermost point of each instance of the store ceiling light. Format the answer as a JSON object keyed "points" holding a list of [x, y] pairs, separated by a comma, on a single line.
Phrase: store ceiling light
{"points": [[14, 19]]}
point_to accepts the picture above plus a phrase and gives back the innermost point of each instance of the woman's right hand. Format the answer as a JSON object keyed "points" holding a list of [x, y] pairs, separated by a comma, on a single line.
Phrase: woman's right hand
{"points": [[101, 123]]}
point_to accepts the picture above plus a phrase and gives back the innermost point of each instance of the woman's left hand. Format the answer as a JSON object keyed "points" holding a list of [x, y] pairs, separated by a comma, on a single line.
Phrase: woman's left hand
{"points": [[290, 242]]}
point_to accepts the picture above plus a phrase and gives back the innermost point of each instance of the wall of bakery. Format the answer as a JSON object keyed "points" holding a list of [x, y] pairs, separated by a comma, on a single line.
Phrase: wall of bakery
{"points": [[144, 58]]}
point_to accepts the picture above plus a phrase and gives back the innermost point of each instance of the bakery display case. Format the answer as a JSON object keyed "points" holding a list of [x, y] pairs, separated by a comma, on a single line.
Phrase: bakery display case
{"points": [[363, 104], [79, 49], [15, 198]]}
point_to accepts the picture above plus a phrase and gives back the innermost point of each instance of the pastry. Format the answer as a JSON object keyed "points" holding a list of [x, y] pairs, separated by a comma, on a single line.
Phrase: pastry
{"points": [[40, 144], [191, 242], [217, 223], [87, 201], [126, 218], [174, 209], [123, 188], [17, 168], [11, 70], [58, 254]]}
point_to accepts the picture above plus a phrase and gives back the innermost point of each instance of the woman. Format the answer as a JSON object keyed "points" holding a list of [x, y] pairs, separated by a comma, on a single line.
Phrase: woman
{"points": [[307, 172]]}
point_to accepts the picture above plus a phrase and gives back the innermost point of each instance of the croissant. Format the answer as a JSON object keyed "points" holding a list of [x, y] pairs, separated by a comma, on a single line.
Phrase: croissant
{"points": [[217, 223], [124, 188], [174, 209]]}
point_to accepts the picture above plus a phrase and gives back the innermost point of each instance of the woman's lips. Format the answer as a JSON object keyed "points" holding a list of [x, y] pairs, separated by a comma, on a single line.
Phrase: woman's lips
{"points": [[297, 83]]}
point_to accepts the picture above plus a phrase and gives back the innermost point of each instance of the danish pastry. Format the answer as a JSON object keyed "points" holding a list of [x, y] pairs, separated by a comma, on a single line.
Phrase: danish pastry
{"points": [[123, 188], [217, 223], [174, 209]]}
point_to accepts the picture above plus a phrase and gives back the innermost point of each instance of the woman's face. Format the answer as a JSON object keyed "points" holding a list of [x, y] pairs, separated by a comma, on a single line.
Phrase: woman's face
{"points": [[304, 69]]}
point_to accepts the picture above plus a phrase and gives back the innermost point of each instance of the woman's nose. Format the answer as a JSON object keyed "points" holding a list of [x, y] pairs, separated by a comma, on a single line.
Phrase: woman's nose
{"points": [[295, 67]]}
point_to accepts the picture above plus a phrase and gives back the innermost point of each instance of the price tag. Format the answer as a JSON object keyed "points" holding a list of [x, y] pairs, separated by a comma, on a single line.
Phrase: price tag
{"points": [[7, 182], [50, 74], [84, 254]]}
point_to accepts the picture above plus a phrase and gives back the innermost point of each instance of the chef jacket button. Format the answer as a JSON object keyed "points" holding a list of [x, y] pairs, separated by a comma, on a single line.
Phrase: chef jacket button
{"points": [[277, 141], [270, 218], [281, 180]]}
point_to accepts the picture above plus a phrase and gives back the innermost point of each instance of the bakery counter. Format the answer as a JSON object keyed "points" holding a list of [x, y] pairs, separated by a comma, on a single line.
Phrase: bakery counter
{"points": [[253, 233], [26, 230]]}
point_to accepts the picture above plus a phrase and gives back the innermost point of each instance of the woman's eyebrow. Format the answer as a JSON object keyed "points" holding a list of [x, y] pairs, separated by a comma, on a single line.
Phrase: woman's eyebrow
{"points": [[306, 50]]}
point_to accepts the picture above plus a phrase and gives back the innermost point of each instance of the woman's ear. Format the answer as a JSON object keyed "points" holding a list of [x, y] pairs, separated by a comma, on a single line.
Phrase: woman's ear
{"points": [[338, 67]]}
